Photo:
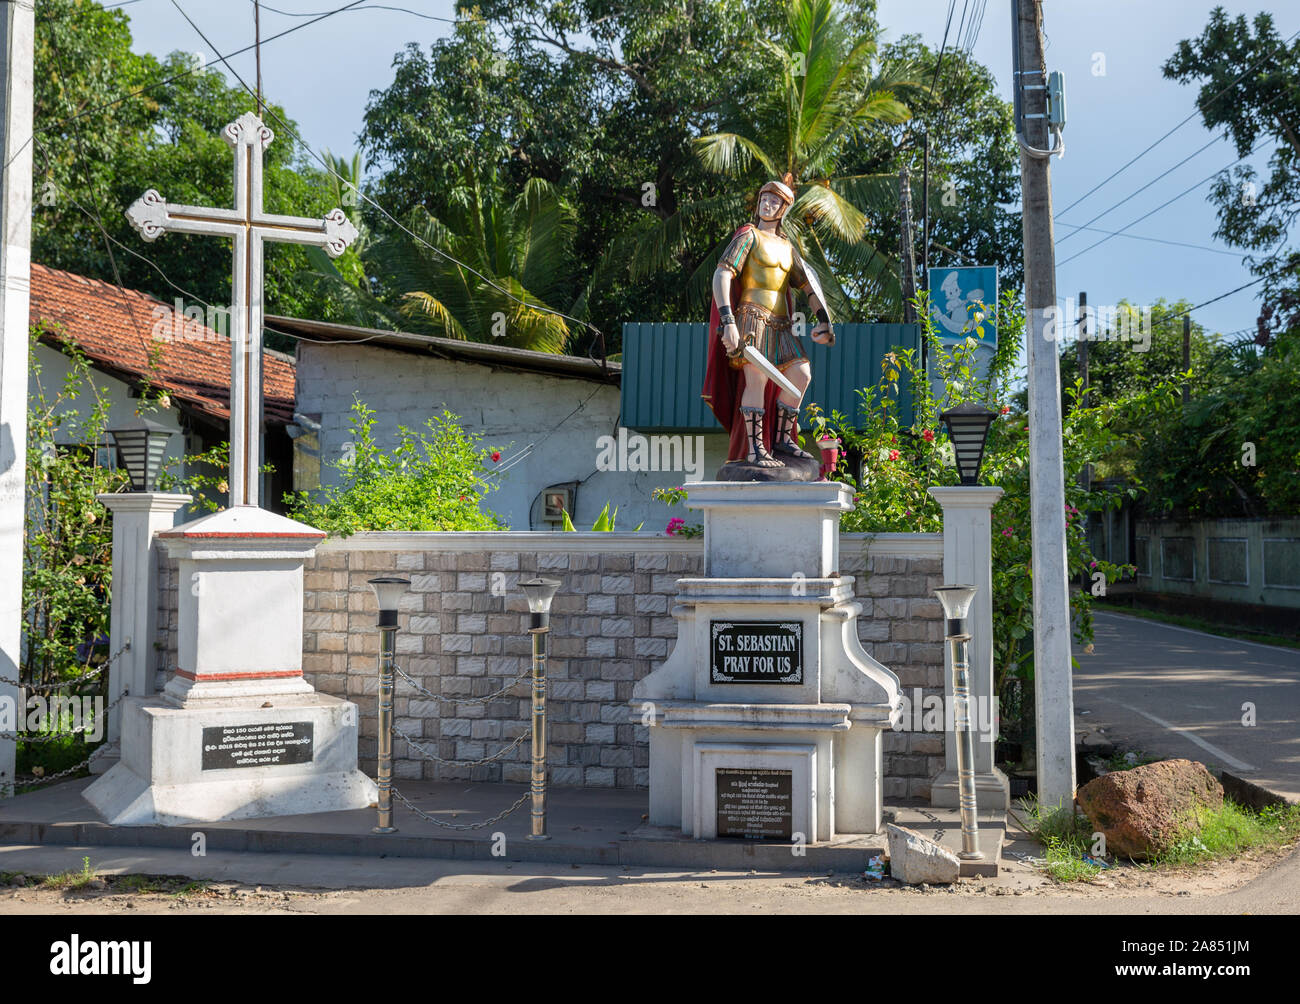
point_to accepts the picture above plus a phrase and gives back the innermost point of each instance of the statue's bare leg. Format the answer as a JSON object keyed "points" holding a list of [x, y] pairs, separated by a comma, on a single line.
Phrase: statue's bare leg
{"points": [[753, 415], [787, 438]]}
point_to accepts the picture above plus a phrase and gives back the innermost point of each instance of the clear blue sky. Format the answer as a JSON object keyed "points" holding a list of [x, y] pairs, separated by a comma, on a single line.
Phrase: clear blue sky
{"points": [[324, 73]]}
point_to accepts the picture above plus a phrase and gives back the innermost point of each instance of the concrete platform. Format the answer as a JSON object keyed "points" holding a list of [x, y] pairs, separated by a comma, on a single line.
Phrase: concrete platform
{"points": [[586, 826]]}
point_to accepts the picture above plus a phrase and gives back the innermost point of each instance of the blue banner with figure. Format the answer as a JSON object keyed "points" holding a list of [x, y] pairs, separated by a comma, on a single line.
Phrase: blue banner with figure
{"points": [[963, 301]]}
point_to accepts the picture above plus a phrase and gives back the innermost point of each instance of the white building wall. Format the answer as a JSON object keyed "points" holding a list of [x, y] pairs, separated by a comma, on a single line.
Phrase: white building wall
{"points": [[548, 428]]}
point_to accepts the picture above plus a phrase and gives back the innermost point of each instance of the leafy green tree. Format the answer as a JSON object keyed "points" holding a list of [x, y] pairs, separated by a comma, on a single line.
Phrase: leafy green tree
{"points": [[825, 90], [974, 161], [1249, 86], [99, 144], [485, 273]]}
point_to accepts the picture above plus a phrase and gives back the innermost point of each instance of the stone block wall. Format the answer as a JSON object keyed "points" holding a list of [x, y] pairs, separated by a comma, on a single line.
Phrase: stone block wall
{"points": [[463, 638]]}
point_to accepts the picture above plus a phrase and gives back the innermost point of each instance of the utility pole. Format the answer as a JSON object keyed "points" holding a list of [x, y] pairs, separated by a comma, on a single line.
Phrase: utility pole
{"points": [[18, 25], [908, 266], [1053, 684], [1082, 345]]}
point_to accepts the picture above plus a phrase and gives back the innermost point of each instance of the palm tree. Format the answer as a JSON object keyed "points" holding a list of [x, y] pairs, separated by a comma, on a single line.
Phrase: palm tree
{"points": [[829, 92], [490, 271]]}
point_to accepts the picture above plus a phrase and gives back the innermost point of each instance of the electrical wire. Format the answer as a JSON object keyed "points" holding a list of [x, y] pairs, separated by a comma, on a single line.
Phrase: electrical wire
{"points": [[1197, 109], [1162, 205], [1213, 140], [1139, 237], [329, 168]]}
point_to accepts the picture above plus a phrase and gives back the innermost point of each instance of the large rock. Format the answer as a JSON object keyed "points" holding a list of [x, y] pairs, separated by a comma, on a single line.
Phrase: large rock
{"points": [[914, 858], [1144, 810]]}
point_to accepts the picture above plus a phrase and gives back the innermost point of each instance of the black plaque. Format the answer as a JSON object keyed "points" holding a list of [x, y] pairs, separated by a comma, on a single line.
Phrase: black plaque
{"points": [[268, 744], [755, 804], [756, 652]]}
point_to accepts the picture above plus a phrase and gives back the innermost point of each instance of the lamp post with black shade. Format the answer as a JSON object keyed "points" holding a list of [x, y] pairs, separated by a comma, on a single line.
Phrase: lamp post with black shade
{"points": [[968, 558], [539, 592]]}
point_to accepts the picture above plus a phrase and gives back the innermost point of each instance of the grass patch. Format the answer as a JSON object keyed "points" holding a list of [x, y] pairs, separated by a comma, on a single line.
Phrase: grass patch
{"points": [[1231, 830], [1066, 837], [1198, 624], [71, 880]]}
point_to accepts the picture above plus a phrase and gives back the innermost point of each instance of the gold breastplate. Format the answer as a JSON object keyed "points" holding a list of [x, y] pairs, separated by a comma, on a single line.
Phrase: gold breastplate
{"points": [[766, 273]]}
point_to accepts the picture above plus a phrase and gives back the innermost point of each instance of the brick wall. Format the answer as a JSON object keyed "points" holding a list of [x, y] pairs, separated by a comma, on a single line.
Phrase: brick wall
{"points": [[463, 635]]}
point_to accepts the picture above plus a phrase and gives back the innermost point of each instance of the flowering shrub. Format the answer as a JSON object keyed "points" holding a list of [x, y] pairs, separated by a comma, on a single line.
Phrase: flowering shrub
{"points": [[900, 462], [677, 527], [434, 479]]}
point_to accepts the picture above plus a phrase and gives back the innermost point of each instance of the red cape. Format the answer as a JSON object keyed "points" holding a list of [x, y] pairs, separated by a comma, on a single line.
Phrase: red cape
{"points": [[724, 384]]}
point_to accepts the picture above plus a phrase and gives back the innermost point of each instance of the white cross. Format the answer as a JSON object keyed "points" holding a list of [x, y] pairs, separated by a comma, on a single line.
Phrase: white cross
{"points": [[248, 226]]}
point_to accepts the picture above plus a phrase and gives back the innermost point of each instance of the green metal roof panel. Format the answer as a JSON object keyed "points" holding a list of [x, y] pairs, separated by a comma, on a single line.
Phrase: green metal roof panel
{"points": [[663, 372]]}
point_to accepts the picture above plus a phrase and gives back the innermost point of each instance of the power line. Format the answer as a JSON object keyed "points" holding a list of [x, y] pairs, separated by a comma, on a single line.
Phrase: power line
{"points": [[1213, 140], [194, 69], [370, 6], [329, 168], [1139, 237], [1163, 204], [1196, 110]]}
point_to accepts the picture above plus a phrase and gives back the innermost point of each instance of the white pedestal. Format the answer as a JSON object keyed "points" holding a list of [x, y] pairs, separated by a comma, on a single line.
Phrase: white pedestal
{"points": [[237, 732], [133, 610], [812, 705], [968, 559]]}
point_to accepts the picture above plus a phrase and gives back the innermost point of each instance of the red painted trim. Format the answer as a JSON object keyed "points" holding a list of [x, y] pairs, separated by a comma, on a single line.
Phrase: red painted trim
{"points": [[236, 535], [214, 677]]}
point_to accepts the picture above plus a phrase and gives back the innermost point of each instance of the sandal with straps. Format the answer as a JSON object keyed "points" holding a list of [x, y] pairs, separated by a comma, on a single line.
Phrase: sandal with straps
{"points": [[758, 454]]}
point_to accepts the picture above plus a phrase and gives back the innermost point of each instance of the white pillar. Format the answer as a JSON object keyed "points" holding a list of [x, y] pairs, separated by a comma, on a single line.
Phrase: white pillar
{"points": [[133, 610], [16, 28], [968, 560]]}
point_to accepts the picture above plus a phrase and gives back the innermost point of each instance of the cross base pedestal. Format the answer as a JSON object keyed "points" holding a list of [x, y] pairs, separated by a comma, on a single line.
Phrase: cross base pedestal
{"points": [[233, 759]]}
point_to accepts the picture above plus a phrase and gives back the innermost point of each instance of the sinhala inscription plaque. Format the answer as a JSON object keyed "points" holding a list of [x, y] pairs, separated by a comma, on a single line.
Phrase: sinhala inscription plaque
{"points": [[756, 652], [267, 744], [755, 804]]}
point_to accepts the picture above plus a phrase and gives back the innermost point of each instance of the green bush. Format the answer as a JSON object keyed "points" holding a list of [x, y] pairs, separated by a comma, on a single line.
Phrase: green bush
{"points": [[434, 479], [900, 462]]}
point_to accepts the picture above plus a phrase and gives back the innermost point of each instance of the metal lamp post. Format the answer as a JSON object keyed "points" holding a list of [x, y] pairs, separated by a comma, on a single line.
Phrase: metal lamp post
{"points": [[388, 591], [956, 602], [141, 445], [968, 428], [540, 592]]}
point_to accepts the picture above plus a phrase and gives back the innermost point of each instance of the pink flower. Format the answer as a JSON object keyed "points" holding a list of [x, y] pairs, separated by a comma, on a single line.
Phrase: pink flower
{"points": [[674, 524], [1006, 532], [928, 435]]}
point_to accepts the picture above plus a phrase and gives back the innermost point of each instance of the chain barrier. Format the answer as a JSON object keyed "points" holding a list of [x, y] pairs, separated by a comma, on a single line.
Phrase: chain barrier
{"points": [[460, 763], [504, 691], [49, 737], [460, 826], [51, 778], [45, 688]]}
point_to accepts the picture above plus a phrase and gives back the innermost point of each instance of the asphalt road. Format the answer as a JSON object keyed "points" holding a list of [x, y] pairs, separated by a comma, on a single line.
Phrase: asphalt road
{"points": [[1172, 692]]}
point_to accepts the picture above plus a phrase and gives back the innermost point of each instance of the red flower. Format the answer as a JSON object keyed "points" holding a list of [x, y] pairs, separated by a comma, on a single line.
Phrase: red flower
{"points": [[928, 435], [893, 454], [1006, 532], [496, 455], [1006, 409]]}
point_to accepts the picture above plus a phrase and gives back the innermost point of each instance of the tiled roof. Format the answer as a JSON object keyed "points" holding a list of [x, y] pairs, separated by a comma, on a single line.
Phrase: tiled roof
{"points": [[115, 329]]}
